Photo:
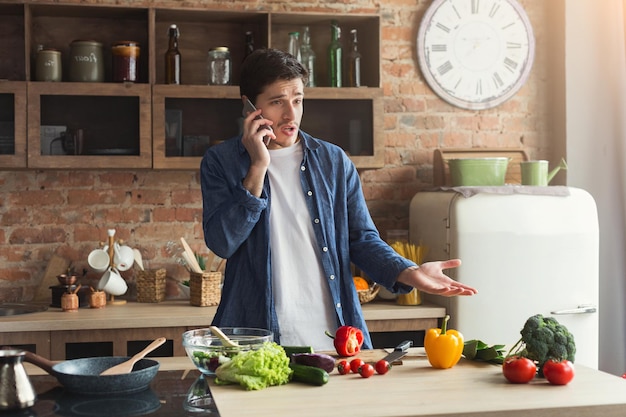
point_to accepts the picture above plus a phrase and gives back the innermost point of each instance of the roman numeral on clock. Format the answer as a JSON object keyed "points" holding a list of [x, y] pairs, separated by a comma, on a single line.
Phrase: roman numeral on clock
{"points": [[497, 80], [494, 10], [444, 68], [475, 6], [510, 64], [441, 47], [443, 27]]}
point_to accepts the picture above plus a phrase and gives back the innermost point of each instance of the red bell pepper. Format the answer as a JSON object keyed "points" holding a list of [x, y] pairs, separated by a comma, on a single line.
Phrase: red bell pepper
{"points": [[348, 340]]}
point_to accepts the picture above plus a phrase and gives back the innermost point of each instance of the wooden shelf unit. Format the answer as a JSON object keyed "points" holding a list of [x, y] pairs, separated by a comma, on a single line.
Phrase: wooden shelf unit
{"points": [[125, 124]]}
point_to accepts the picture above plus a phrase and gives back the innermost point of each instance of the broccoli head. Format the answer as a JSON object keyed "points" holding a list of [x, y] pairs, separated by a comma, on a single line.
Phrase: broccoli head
{"points": [[545, 338]]}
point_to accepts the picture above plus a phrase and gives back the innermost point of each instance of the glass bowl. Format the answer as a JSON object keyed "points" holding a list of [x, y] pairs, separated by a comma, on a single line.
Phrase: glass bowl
{"points": [[207, 352]]}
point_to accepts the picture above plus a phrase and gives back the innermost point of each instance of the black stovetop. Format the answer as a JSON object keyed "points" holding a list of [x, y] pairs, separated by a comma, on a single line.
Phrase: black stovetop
{"points": [[167, 396]]}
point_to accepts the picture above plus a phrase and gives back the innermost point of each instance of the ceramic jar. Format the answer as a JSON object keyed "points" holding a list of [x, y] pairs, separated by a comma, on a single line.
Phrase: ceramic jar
{"points": [[86, 64], [48, 65]]}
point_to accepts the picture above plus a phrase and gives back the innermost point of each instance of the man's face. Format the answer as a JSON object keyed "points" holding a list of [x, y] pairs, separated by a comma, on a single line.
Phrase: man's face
{"points": [[281, 102]]}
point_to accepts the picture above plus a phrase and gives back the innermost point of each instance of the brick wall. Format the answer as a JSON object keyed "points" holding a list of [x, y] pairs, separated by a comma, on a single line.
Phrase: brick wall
{"points": [[68, 212]]}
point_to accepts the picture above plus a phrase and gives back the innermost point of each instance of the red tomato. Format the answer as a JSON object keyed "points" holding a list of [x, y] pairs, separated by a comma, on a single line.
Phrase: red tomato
{"points": [[366, 370], [343, 367], [355, 364], [382, 367], [558, 373], [518, 370]]}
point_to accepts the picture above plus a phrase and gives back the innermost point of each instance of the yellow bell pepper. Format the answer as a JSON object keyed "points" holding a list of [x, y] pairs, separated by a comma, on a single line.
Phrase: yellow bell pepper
{"points": [[443, 347]]}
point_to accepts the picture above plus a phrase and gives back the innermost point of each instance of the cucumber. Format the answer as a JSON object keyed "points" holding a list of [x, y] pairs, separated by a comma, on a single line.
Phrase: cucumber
{"points": [[292, 350], [308, 374]]}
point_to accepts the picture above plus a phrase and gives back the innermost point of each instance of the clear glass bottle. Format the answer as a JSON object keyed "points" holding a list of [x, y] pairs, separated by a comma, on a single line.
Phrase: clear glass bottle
{"points": [[294, 45], [354, 62], [219, 68], [173, 60], [307, 56], [249, 43], [334, 55]]}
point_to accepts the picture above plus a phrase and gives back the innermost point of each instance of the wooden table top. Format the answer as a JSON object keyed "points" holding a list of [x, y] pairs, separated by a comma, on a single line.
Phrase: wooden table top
{"points": [[173, 314], [416, 389]]}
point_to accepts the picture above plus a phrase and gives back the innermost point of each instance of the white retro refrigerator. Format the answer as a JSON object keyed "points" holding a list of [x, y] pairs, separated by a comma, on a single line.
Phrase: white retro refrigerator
{"points": [[526, 254]]}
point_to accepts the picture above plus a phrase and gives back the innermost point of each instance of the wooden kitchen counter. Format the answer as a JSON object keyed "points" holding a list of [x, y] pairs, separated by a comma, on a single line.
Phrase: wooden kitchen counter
{"points": [[470, 389], [414, 388], [50, 331], [181, 313]]}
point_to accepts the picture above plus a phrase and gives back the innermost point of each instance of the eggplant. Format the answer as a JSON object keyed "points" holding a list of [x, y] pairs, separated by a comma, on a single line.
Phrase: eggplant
{"points": [[317, 360]]}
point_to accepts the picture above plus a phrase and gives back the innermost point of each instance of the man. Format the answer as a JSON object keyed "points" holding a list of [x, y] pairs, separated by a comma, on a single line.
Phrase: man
{"points": [[288, 212]]}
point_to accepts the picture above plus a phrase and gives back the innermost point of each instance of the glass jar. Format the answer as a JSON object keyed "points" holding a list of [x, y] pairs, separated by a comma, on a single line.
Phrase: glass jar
{"points": [[219, 67], [86, 64], [125, 55]]}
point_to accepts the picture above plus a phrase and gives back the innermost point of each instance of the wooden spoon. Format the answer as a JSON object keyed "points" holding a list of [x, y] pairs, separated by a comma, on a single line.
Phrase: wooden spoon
{"points": [[127, 366], [225, 339]]}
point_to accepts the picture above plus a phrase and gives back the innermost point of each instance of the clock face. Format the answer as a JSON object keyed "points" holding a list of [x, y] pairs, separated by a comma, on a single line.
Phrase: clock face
{"points": [[475, 54]]}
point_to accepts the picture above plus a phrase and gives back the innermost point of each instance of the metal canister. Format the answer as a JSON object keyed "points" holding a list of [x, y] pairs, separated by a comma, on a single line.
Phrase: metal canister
{"points": [[48, 65], [86, 63], [125, 55], [219, 67]]}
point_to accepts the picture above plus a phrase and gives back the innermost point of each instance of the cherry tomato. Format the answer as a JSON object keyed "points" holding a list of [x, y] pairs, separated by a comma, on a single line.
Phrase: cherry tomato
{"points": [[382, 367], [355, 364], [366, 370], [343, 367], [558, 372], [519, 370]]}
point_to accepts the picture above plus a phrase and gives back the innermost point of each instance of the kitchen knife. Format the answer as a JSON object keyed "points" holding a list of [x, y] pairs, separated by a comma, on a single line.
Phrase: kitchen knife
{"points": [[399, 351]]}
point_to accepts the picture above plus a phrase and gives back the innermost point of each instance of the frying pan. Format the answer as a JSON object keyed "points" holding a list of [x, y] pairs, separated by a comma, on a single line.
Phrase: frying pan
{"points": [[82, 376]]}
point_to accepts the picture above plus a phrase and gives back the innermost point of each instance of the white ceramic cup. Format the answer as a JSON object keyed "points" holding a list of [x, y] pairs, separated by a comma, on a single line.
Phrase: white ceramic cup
{"points": [[112, 283], [99, 260], [124, 257]]}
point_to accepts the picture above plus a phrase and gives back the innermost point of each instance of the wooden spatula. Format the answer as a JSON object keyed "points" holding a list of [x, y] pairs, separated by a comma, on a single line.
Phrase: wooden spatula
{"points": [[127, 366], [226, 341]]}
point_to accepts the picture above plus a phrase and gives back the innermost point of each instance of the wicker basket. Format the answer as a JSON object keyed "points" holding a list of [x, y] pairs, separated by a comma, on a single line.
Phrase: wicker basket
{"points": [[365, 296], [204, 289], [151, 286]]}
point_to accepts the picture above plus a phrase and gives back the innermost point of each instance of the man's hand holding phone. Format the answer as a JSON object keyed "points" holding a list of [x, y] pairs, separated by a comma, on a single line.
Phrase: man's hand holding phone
{"points": [[248, 108], [257, 149]]}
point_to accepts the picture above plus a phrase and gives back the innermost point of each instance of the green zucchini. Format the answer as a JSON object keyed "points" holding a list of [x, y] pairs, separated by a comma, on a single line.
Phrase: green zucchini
{"points": [[308, 374], [292, 350]]}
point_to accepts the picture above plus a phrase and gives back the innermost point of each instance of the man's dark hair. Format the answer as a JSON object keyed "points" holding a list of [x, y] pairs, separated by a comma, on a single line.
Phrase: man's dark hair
{"points": [[265, 66]]}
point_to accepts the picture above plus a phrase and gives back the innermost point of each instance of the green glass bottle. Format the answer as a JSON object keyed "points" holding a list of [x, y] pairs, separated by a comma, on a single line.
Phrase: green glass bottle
{"points": [[334, 55]]}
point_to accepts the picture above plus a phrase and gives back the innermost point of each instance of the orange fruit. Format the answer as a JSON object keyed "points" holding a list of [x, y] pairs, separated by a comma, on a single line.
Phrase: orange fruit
{"points": [[361, 283]]}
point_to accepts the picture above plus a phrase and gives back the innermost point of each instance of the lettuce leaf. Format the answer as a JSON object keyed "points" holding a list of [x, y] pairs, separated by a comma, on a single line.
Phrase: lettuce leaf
{"points": [[256, 369]]}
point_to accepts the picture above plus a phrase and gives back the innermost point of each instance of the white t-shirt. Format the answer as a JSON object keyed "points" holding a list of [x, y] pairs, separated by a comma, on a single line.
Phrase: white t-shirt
{"points": [[301, 294]]}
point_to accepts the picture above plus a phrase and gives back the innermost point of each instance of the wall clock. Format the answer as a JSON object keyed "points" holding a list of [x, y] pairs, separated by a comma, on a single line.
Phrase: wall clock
{"points": [[475, 54]]}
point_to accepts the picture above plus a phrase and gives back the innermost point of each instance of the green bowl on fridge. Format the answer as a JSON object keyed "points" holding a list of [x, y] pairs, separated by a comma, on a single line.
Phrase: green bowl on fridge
{"points": [[478, 171]]}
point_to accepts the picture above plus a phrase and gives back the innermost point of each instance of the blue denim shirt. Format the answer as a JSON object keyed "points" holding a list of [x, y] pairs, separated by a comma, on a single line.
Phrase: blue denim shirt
{"points": [[236, 227]]}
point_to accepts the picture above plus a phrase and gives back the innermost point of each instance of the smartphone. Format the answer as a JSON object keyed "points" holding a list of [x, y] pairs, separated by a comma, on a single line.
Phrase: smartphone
{"points": [[248, 107]]}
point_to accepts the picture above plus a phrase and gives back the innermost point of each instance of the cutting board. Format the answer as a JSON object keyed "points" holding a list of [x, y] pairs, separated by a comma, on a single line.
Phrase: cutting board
{"points": [[441, 171], [374, 355], [57, 265]]}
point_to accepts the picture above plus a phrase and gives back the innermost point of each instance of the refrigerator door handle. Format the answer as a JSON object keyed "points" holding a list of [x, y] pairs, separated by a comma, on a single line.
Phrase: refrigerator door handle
{"points": [[582, 309]]}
